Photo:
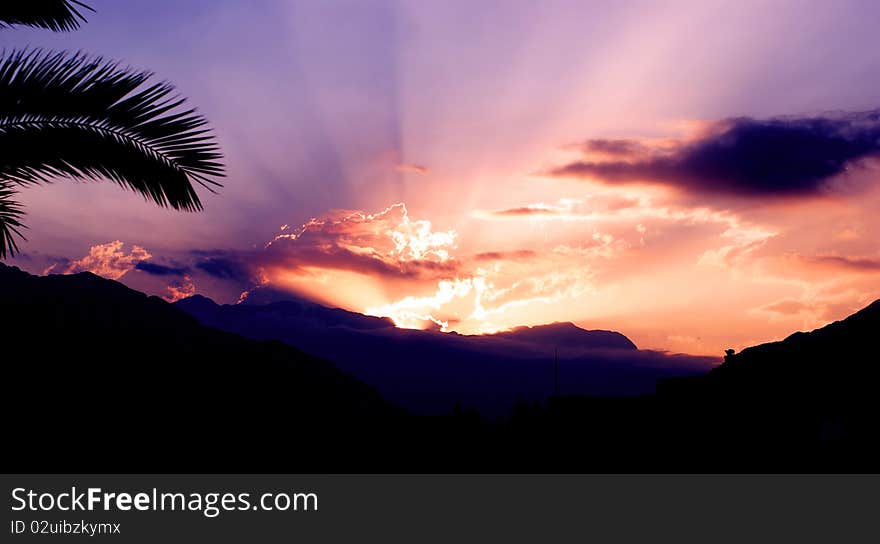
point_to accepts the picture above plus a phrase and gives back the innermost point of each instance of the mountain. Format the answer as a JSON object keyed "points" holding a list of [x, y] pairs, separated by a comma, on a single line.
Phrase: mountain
{"points": [[808, 400], [808, 403], [430, 372], [97, 375], [307, 312], [829, 377], [841, 348], [310, 314], [567, 336], [100, 378]]}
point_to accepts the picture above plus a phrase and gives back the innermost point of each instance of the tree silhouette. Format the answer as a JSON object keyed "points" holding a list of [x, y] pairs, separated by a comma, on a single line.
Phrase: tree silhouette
{"points": [[74, 116], [57, 15]]}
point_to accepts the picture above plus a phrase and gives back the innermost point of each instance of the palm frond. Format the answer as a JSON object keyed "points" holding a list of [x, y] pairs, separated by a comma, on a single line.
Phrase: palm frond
{"points": [[10, 226], [80, 117], [56, 15]]}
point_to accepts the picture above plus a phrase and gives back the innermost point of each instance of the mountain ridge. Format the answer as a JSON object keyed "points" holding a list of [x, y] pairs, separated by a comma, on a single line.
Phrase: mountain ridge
{"points": [[560, 330], [430, 372], [136, 374], [125, 382]]}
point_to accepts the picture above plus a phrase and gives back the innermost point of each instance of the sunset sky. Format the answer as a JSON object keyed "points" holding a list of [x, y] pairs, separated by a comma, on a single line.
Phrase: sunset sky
{"points": [[696, 175]]}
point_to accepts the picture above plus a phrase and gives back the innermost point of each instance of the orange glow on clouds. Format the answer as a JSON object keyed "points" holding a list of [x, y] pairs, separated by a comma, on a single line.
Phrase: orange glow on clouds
{"points": [[388, 235], [667, 268], [672, 275], [107, 260], [180, 289], [387, 264], [112, 262], [475, 135]]}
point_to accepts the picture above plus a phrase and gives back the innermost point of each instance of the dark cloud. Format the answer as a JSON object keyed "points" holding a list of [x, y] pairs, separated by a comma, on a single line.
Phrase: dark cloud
{"points": [[750, 157], [57, 261], [505, 255], [857, 264], [225, 266], [292, 257], [616, 148], [160, 270]]}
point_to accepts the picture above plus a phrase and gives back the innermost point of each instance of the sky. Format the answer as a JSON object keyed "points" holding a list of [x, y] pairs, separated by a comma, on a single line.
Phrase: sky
{"points": [[696, 175]]}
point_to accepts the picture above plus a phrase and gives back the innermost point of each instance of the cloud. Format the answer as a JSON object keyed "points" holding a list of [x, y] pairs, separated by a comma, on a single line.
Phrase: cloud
{"points": [[339, 256], [742, 241], [180, 289], [787, 307], [156, 269], [741, 238], [822, 267], [746, 157], [613, 148], [590, 208], [851, 264], [412, 169], [107, 260], [413, 312], [497, 290], [388, 243], [390, 264], [226, 265], [530, 210], [822, 303], [520, 254]]}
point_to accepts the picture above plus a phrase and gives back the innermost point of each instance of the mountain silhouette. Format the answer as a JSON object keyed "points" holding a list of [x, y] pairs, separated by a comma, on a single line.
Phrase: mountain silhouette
{"points": [[829, 377], [430, 372], [567, 336], [99, 374], [808, 403], [100, 378]]}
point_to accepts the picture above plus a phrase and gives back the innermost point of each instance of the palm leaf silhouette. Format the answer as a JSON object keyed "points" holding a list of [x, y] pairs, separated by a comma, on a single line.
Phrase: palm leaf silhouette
{"points": [[57, 15], [74, 116], [10, 226]]}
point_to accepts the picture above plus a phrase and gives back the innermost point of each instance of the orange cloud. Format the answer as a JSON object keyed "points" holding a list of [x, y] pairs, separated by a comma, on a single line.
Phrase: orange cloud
{"points": [[505, 289], [180, 289], [516, 255], [392, 265], [849, 264], [387, 243], [589, 208], [351, 258], [787, 307], [107, 260], [819, 269]]}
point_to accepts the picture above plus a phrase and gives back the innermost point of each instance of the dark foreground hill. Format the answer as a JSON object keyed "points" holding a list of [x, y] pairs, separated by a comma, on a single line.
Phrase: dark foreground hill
{"points": [[824, 383], [429, 372], [99, 378], [809, 403]]}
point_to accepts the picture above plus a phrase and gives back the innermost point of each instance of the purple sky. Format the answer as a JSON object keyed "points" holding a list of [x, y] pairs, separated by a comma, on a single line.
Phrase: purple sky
{"points": [[456, 109]]}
